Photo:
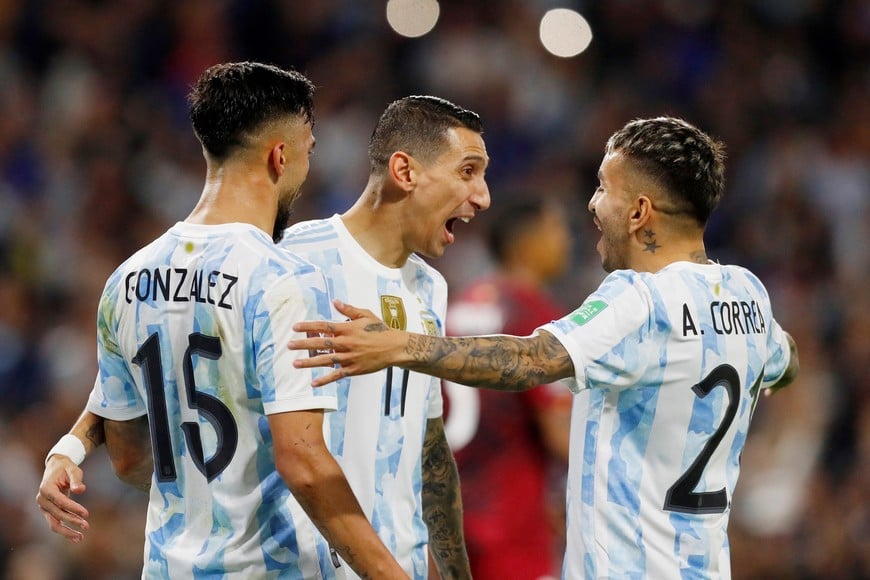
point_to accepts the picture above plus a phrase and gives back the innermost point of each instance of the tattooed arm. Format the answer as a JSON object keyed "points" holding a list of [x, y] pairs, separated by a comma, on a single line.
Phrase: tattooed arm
{"points": [[61, 477], [442, 504], [365, 345]]}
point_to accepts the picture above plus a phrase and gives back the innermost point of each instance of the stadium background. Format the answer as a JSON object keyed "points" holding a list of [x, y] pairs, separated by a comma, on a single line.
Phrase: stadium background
{"points": [[96, 158]]}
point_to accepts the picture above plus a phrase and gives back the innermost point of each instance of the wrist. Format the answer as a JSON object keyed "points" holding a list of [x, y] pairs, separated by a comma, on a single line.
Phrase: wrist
{"points": [[70, 446]]}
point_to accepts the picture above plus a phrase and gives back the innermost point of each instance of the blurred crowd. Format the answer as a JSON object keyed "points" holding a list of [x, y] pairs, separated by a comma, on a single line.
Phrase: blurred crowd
{"points": [[97, 158]]}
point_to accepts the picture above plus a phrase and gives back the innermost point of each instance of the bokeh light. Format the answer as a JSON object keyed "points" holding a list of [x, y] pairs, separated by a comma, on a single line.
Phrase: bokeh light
{"points": [[565, 32], [413, 18]]}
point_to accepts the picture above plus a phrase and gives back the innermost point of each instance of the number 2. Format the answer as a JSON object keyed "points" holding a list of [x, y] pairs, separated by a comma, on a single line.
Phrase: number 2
{"points": [[681, 496], [148, 357]]}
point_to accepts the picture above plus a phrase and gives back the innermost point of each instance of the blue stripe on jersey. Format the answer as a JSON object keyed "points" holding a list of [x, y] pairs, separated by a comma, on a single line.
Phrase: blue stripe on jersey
{"points": [[376, 474], [633, 376], [310, 232]]}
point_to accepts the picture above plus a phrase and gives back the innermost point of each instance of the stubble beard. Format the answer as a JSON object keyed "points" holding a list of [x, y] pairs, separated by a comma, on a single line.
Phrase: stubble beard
{"points": [[613, 254], [282, 217]]}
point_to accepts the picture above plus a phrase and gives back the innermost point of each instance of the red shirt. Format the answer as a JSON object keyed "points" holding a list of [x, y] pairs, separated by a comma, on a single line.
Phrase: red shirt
{"points": [[502, 462]]}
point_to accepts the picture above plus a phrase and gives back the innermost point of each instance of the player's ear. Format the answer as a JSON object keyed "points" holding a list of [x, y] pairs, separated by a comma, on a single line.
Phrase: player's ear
{"points": [[277, 161], [641, 212], [402, 169]]}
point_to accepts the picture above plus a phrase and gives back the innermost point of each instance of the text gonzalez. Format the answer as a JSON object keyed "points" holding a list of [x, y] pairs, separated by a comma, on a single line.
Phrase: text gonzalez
{"points": [[180, 285]]}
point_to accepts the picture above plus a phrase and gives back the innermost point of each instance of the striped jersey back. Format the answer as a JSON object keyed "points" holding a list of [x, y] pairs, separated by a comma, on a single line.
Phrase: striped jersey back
{"points": [[192, 329], [668, 369]]}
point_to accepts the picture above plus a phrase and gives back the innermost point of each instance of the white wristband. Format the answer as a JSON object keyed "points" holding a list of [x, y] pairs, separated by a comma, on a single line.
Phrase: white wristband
{"points": [[71, 446]]}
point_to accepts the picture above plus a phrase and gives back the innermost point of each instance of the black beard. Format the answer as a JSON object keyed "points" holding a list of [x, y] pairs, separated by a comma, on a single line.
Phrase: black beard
{"points": [[282, 218]]}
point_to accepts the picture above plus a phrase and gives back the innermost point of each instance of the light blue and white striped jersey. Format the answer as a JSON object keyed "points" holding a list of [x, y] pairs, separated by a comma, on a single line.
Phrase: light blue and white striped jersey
{"points": [[378, 430], [193, 329], [668, 370]]}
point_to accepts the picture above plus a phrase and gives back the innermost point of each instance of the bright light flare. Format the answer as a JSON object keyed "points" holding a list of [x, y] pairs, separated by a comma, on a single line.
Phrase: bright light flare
{"points": [[565, 32], [413, 18]]}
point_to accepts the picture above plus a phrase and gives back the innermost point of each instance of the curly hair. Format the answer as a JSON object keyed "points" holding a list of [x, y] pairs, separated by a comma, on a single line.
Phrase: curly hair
{"points": [[231, 101], [687, 163]]}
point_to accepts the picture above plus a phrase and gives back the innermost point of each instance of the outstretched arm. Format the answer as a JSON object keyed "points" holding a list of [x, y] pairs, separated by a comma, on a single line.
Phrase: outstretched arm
{"points": [[62, 476], [442, 504], [790, 372], [366, 344]]}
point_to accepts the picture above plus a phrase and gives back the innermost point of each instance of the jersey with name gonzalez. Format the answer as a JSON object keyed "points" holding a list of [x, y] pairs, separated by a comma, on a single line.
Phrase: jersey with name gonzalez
{"points": [[378, 430], [668, 369], [192, 329]]}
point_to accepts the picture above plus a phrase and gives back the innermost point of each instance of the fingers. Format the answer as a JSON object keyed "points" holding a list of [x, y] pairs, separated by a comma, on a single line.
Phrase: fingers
{"points": [[59, 528], [329, 378], [314, 326], [64, 516], [321, 360], [352, 312], [75, 483]]}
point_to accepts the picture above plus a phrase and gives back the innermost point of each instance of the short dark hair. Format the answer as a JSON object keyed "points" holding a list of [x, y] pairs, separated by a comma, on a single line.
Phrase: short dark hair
{"points": [[232, 100], [686, 162], [417, 125], [507, 224]]}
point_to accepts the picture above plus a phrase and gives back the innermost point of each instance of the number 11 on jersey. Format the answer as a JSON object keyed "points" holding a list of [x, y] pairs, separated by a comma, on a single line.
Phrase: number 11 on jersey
{"points": [[388, 396]]}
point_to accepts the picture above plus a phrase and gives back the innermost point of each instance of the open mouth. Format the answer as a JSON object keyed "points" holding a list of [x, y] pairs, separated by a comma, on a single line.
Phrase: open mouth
{"points": [[451, 223]]}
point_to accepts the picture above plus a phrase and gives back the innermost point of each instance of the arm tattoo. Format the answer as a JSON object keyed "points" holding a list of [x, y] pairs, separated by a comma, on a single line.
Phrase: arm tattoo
{"points": [[442, 504], [501, 362], [96, 434]]}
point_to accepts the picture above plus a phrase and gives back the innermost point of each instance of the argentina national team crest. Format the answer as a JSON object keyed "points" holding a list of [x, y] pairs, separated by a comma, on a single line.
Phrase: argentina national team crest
{"points": [[393, 311], [430, 324]]}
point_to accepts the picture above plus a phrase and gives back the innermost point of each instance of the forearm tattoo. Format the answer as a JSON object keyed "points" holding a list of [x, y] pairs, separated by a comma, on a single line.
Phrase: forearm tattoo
{"points": [[95, 434], [442, 505], [502, 362]]}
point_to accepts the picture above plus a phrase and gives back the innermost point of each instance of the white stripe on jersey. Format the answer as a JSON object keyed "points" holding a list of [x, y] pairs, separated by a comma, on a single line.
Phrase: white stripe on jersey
{"points": [[380, 452], [653, 462], [194, 327]]}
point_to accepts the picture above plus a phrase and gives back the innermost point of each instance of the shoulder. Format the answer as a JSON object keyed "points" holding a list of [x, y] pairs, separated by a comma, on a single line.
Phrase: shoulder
{"points": [[308, 232], [424, 269]]}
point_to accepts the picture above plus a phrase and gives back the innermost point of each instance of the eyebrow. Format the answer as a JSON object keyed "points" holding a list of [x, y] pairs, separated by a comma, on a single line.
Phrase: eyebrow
{"points": [[475, 157]]}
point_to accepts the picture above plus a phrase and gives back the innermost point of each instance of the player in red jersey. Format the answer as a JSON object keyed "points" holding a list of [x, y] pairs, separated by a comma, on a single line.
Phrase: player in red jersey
{"points": [[512, 450]]}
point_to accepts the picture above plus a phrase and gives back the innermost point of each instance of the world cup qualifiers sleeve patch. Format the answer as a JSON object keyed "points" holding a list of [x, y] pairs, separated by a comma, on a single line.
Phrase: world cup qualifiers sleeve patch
{"points": [[587, 311]]}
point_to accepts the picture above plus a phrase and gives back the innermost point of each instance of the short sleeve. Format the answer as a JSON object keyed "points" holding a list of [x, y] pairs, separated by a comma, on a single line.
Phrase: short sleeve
{"points": [[291, 299], [778, 355], [115, 395], [605, 336]]}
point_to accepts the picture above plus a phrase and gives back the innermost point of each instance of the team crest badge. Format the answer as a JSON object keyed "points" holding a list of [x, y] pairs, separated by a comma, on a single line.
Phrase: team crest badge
{"points": [[430, 325], [393, 311]]}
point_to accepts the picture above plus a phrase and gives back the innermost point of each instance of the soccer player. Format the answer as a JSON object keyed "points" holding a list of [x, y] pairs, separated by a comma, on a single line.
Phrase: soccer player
{"points": [[427, 164], [242, 484], [667, 359], [512, 450]]}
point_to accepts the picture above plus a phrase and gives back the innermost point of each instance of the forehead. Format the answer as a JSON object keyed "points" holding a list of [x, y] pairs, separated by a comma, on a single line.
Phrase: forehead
{"points": [[464, 144], [615, 165]]}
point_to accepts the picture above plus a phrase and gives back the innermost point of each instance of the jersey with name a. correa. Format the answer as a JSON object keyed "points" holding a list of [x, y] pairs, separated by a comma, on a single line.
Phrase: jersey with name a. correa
{"points": [[193, 330], [668, 369], [378, 430]]}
